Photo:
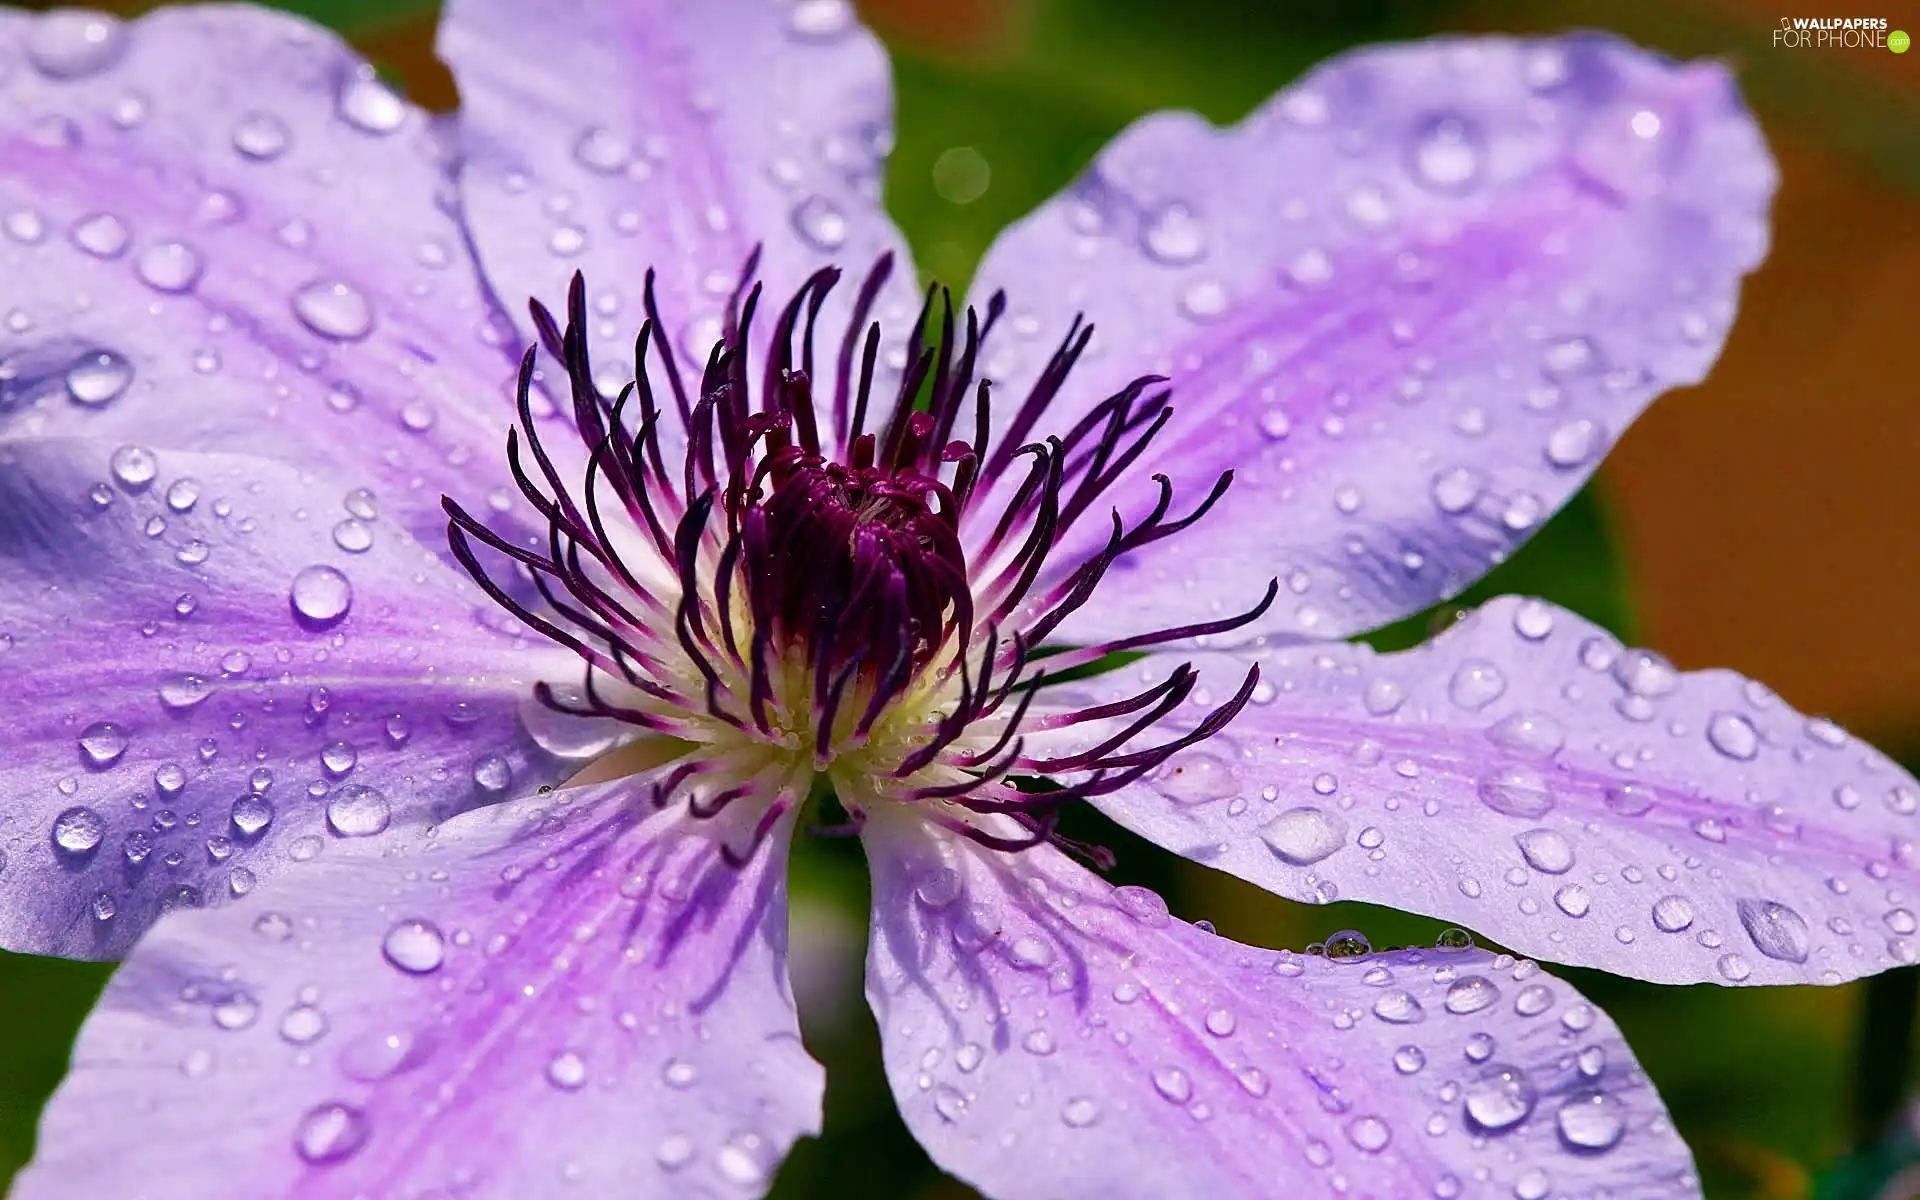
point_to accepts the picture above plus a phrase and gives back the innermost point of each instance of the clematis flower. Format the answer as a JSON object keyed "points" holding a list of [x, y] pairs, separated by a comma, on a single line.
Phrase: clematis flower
{"points": [[420, 688]]}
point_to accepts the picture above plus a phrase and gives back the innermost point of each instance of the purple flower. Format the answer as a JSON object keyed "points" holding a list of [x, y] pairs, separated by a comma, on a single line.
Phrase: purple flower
{"points": [[706, 564]]}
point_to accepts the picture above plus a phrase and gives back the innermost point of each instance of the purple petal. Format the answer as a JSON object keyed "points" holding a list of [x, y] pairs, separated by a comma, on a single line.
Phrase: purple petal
{"points": [[658, 135], [1048, 1035], [1525, 775], [203, 686], [1410, 301], [536, 998], [219, 231]]}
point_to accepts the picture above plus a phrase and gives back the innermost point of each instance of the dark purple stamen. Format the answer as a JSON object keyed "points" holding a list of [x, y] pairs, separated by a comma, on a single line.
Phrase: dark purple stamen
{"points": [[876, 567]]}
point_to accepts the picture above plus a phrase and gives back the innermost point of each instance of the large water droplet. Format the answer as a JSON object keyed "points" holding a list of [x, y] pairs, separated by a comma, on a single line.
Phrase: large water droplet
{"points": [[1196, 778], [1500, 1099], [180, 692], [74, 43], [357, 810], [98, 378], [1671, 914], [1398, 1007], [1546, 850], [331, 1133], [78, 831], [134, 467], [567, 1071], [320, 596], [1530, 734], [1591, 1123], [1574, 443], [251, 814], [102, 743], [303, 1025], [820, 20], [1369, 1134], [1516, 791], [1174, 235], [1777, 931], [334, 309], [1455, 490], [1080, 1112], [1445, 153], [367, 104], [820, 222], [1733, 735], [1470, 994], [1476, 683], [102, 235], [170, 266], [261, 136], [415, 946], [1303, 836]]}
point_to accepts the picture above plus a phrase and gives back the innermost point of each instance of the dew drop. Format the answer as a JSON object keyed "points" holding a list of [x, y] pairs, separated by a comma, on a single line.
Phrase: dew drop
{"points": [[1369, 1134], [1446, 152], [1455, 490], [331, 1133], [1671, 914], [1304, 836], [1174, 235], [415, 946], [367, 104], [1573, 443], [102, 744], [1777, 931], [1080, 1112], [134, 467], [335, 310], [1590, 1123], [1196, 778], [261, 136], [180, 692], [357, 810], [1470, 994], [98, 378], [78, 831], [1475, 684], [170, 267], [102, 235], [1531, 734], [1398, 1007], [303, 1025], [820, 222], [353, 535], [1500, 1099], [320, 596], [1517, 792], [251, 814], [1733, 735], [74, 43], [1546, 850], [567, 1071]]}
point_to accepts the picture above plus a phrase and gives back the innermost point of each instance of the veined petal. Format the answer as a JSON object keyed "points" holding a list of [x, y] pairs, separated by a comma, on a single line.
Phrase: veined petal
{"points": [[1409, 302], [673, 137], [220, 231], [1525, 775], [550, 995], [1047, 1034], [203, 686]]}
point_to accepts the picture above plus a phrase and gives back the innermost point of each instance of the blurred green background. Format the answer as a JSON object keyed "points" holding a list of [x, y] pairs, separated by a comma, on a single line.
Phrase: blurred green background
{"points": [[1763, 521]]}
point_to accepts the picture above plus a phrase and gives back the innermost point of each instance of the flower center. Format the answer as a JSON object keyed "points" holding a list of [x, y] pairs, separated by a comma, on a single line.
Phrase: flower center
{"points": [[779, 605]]}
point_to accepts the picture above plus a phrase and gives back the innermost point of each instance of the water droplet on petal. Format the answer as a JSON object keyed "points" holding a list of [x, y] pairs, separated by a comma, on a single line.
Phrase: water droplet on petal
{"points": [[415, 946], [1671, 914], [1304, 836], [602, 151], [820, 222], [1080, 1112], [1777, 931], [567, 1071], [820, 20], [1475, 684], [335, 310], [74, 43], [367, 104], [1531, 734], [78, 831], [251, 814], [331, 1133], [1573, 900], [1546, 850], [320, 596], [303, 1024], [353, 535], [1573, 443], [1516, 791], [357, 810], [170, 266], [180, 692], [1733, 735], [1470, 994], [1533, 619], [1174, 235], [1500, 1099], [102, 743], [1398, 1007], [1369, 1134], [1446, 153], [261, 136], [98, 378], [134, 467]]}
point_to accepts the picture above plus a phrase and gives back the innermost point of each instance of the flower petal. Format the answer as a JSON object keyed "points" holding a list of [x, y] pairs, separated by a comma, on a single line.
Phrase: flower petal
{"points": [[1410, 302], [535, 997], [219, 231], [657, 135], [1525, 775], [1048, 1034], [204, 684]]}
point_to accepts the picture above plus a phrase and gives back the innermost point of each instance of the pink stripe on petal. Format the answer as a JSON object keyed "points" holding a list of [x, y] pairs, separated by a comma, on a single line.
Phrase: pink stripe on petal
{"points": [[542, 997], [1050, 1035]]}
